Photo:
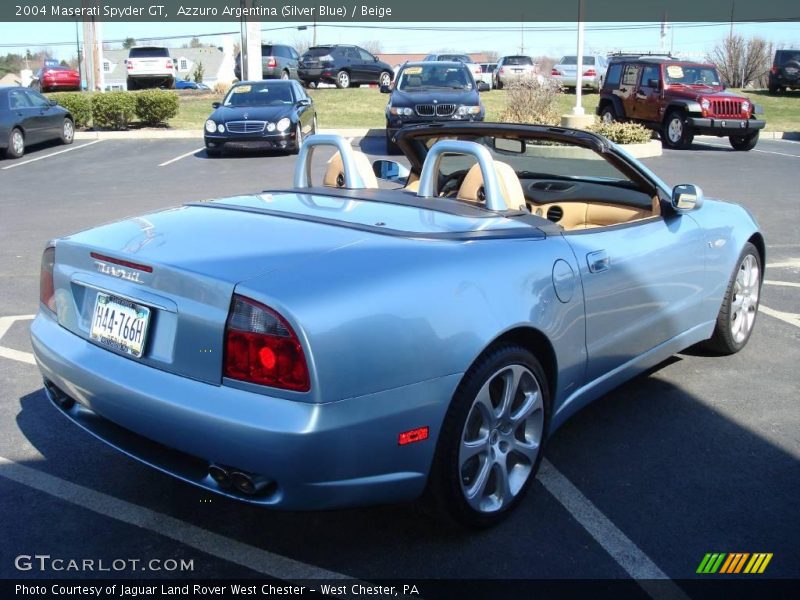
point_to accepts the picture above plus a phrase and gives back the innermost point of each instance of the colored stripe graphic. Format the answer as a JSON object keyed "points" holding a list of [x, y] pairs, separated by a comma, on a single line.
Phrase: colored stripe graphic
{"points": [[730, 563], [711, 562], [758, 563]]}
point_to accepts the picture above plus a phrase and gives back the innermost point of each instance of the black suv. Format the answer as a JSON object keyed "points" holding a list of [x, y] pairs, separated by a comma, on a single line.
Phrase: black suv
{"points": [[679, 99], [345, 66], [426, 92], [278, 61], [785, 71]]}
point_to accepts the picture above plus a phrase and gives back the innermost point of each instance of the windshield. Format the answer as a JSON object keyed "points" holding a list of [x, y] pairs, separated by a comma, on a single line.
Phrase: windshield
{"points": [[318, 51], [518, 60], [148, 53], [691, 75], [259, 94], [433, 76], [573, 60]]}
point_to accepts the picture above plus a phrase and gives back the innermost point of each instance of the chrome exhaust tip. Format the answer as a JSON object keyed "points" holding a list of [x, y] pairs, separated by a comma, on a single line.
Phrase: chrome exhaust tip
{"points": [[220, 475], [248, 484]]}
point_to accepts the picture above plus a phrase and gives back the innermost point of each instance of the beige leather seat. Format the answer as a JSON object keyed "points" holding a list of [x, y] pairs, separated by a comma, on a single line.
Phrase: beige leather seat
{"points": [[471, 188], [334, 174]]}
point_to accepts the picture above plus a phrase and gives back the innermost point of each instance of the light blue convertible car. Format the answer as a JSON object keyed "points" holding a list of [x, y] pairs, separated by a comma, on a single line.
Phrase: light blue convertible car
{"points": [[353, 341]]}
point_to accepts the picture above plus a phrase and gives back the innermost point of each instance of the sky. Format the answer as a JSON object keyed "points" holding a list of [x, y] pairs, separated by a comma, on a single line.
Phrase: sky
{"points": [[549, 39]]}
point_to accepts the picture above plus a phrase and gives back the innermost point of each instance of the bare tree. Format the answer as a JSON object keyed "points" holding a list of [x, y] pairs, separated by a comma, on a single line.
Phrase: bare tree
{"points": [[372, 46], [492, 56], [742, 62], [300, 43], [128, 43]]}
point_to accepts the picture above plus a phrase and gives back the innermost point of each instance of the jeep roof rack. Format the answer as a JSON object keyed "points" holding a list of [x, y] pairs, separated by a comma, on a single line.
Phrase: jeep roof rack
{"points": [[627, 54]]}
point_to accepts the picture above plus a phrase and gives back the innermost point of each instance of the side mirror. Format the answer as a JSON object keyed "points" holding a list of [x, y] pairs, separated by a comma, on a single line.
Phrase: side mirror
{"points": [[53, 103], [304, 102], [484, 87], [388, 170], [386, 89], [686, 197], [215, 105]]}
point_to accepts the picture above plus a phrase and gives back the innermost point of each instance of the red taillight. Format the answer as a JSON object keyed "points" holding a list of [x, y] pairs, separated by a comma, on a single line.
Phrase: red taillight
{"points": [[415, 435], [590, 73], [271, 62], [261, 347], [554, 72], [47, 291], [129, 64], [169, 64]]}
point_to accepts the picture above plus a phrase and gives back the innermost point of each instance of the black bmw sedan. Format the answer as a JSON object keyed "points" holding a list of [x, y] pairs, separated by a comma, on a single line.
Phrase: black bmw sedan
{"points": [[426, 92], [27, 117], [272, 114]]}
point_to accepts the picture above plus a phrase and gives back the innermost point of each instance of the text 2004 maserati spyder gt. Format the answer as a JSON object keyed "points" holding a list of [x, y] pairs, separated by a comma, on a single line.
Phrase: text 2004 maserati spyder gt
{"points": [[348, 344]]}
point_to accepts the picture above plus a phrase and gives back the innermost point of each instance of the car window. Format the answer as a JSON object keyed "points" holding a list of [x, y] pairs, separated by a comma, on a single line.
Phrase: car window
{"points": [[631, 74], [36, 99], [573, 60], [259, 94], [293, 54], [366, 56], [318, 51], [420, 77], [518, 60], [649, 73], [351, 54], [148, 53], [614, 73], [299, 92], [456, 57], [17, 99], [784, 56]]}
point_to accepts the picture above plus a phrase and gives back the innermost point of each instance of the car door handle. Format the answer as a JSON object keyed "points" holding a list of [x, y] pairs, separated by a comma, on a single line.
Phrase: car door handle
{"points": [[598, 261]]}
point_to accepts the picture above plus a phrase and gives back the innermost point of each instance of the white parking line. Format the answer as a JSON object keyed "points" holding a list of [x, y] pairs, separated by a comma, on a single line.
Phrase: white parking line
{"points": [[177, 158], [621, 548], [70, 149], [753, 150], [5, 325], [219, 546], [786, 317], [787, 264], [782, 283]]}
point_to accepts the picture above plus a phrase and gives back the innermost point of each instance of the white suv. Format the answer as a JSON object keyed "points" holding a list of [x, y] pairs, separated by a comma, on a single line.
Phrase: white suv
{"points": [[150, 66]]}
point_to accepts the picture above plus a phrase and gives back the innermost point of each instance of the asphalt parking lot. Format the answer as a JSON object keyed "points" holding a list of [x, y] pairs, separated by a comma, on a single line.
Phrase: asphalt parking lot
{"points": [[700, 455]]}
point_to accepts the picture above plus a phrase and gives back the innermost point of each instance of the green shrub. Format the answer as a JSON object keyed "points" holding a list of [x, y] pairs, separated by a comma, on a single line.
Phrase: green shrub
{"points": [[533, 102], [79, 104], [154, 107], [113, 110], [623, 133]]}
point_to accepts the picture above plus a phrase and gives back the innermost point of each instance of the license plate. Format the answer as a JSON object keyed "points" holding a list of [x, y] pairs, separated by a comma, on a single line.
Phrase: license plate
{"points": [[120, 324]]}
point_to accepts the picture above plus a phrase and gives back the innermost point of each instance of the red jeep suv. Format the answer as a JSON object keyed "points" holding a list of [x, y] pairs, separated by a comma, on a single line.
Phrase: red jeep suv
{"points": [[679, 99]]}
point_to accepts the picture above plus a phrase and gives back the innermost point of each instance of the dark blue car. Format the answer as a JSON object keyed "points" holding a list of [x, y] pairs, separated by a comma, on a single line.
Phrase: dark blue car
{"points": [[27, 117]]}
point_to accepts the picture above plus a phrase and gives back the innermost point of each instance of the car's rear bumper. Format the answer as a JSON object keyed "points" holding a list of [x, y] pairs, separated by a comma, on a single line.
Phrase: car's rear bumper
{"points": [[587, 82], [327, 74], [318, 455], [724, 127]]}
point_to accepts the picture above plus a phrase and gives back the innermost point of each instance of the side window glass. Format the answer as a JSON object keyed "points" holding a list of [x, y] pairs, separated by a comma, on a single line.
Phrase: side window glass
{"points": [[17, 99], [365, 56], [650, 75], [37, 100], [613, 75], [631, 74]]}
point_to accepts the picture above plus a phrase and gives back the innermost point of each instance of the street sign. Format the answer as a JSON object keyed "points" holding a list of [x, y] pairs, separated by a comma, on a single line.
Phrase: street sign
{"points": [[50, 62]]}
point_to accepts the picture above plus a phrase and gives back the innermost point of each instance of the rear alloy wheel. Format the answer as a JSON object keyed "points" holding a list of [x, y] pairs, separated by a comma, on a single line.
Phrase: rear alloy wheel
{"points": [[385, 79], [343, 79], [284, 74], [744, 142], [737, 315], [16, 144], [674, 133], [491, 441], [607, 115], [67, 132]]}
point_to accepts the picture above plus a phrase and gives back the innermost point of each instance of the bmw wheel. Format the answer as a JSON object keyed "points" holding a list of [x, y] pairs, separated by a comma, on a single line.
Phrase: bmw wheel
{"points": [[737, 315], [67, 131], [16, 143], [343, 79], [385, 79], [674, 133], [491, 441]]}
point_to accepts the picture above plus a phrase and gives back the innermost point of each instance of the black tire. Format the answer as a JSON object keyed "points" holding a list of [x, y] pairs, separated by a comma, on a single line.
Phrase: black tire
{"points": [[723, 341], [213, 152], [386, 77], [131, 84], [681, 136], [499, 85], [284, 74], [772, 90], [608, 114], [343, 79], [743, 143], [444, 492], [14, 149], [311, 85], [68, 131]]}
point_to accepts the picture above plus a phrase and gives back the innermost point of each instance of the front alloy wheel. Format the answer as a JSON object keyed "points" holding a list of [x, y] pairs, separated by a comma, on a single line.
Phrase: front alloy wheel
{"points": [[343, 79], [674, 133], [385, 79], [67, 132], [16, 144]]}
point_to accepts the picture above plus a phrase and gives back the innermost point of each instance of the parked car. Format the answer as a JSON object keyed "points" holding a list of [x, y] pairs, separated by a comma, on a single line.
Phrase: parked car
{"points": [[27, 117], [343, 65], [679, 99], [278, 61], [56, 79], [275, 114], [473, 67], [426, 92], [185, 84], [515, 68], [594, 71], [785, 71], [150, 66], [487, 72], [342, 345]]}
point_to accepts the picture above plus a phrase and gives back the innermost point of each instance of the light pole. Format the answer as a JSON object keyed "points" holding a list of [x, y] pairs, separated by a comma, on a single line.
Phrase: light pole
{"points": [[578, 108]]}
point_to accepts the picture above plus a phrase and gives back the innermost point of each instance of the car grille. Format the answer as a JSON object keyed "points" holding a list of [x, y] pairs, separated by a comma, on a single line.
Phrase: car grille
{"points": [[439, 110], [246, 126], [726, 108]]}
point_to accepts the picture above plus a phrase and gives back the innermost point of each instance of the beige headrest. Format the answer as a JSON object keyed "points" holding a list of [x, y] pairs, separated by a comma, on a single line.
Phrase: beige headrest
{"points": [[472, 187], [334, 174]]}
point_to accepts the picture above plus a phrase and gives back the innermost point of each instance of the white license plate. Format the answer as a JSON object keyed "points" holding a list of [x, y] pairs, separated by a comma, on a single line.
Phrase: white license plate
{"points": [[120, 324]]}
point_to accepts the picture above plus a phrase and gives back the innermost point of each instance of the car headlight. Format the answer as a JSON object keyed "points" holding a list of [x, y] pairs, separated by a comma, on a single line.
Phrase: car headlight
{"points": [[284, 124], [469, 110], [221, 128], [401, 111], [705, 103], [745, 107], [210, 126]]}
